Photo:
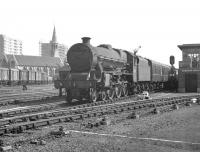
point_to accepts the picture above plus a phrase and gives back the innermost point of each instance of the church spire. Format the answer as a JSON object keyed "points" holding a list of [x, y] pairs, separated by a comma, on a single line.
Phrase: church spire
{"points": [[54, 39]]}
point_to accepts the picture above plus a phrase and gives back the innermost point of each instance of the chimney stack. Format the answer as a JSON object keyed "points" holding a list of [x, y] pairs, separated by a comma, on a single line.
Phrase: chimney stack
{"points": [[86, 40]]}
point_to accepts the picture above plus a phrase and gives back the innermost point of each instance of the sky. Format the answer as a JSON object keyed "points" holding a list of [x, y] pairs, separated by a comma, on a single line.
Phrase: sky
{"points": [[158, 26]]}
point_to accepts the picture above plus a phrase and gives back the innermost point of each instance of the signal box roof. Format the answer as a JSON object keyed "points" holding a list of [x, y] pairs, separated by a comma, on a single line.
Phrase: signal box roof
{"points": [[190, 48]]}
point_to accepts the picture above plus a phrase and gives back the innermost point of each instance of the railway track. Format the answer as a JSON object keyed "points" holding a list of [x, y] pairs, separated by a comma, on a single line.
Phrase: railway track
{"points": [[20, 123], [38, 108], [25, 92], [28, 109], [20, 97]]}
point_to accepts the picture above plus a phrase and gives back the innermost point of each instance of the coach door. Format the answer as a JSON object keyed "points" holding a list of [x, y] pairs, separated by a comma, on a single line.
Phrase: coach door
{"points": [[190, 82]]}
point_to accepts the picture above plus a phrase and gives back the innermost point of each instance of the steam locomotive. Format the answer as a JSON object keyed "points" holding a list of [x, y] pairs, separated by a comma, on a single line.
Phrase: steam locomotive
{"points": [[103, 72]]}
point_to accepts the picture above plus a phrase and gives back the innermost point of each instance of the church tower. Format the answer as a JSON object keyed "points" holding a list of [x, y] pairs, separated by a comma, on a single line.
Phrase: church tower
{"points": [[53, 42], [53, 48]]}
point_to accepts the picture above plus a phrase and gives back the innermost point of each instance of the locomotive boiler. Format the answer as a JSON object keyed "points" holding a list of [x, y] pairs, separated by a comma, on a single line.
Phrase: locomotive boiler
{"points": [[103, 72]]}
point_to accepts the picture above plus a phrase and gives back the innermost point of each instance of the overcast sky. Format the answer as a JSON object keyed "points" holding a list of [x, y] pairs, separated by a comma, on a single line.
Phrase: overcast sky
{"points": [[157, 25]]}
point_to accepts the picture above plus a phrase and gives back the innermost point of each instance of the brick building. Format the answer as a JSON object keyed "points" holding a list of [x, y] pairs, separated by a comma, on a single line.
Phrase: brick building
{"points": [[189, 68], [44, 64]]}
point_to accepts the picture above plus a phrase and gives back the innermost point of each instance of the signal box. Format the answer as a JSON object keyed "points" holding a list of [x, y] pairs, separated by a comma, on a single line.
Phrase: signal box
{"points": [[189, 68]]}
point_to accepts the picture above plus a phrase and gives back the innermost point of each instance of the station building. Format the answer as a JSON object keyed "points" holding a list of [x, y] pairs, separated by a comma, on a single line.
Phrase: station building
{"points": [[189, 68]]}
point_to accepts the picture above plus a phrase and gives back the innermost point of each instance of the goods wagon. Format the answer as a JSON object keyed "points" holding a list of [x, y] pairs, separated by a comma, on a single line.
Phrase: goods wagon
{"points": [[38, 77], [4, 76], [23, 76], [13, 76], [44, 77], [31, 77]]}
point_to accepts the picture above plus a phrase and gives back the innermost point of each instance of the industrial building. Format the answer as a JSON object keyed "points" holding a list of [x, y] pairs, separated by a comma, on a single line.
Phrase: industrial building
{"points": [[189, 68]]}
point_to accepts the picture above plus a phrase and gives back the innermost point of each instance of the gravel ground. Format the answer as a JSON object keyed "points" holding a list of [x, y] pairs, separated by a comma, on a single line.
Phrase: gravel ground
{"points": [[81, 143], [181, 125]]}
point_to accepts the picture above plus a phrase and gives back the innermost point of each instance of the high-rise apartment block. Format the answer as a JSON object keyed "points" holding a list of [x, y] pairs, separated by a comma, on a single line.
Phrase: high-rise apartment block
{"points": [[53, 48], [10, 46]]}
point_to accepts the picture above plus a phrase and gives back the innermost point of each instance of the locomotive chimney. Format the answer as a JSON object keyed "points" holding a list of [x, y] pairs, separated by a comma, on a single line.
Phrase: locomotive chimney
{"points": [[86, 40]]}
